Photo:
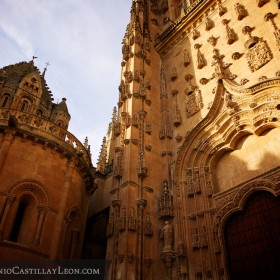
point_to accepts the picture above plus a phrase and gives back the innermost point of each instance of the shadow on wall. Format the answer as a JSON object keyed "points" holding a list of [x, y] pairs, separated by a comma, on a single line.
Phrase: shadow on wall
{"points": [[252, 156]]}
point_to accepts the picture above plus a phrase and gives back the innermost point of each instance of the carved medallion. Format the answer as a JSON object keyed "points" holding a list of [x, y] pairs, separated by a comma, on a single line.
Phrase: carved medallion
{"points": [[258, 55], [193, 102]]}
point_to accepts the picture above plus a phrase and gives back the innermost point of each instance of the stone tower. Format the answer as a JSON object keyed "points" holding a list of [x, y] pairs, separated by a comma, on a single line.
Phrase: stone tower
{"points": [[191, 163], [45, 172]]}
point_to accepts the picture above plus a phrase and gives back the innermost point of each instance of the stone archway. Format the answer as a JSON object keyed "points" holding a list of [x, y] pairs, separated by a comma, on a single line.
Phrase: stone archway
{"points": [[252, 239]]}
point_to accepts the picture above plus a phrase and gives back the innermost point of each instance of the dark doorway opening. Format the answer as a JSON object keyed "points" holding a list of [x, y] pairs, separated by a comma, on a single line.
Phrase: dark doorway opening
{"points": [[252, 239]]}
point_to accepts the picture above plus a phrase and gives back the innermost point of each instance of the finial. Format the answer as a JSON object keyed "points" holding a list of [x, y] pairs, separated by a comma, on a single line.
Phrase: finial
{"points": [[86, 142], [45, 69]]}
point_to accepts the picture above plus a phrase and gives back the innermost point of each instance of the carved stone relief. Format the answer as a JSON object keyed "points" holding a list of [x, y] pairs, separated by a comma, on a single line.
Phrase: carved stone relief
{"points": [[148, 229], [260, 3], [186, 58], [132, 219], [258, 52], [173, 74], [222, 10], [230, 34], [167, 234], [193, 102], [270, 17], [240, 11], [176, 111], [200, 57]]}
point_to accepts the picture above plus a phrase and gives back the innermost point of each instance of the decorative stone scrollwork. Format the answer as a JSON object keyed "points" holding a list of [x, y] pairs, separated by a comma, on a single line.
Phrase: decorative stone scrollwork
{"points": [[230, 34], [126, 51], [212, 41], [209, 24], [148, 128], [189, 182], [204, 81], [260, 3], [148, 229], [176, 112], [240, 11], [208, 178], [258, 52], [193, 102], [163, 90], [142, 169], [200, 58], [270, 17], [179, 138], [167, 234], [166, 202], [118, 163], [173, 74], [222, 10], [128, 76], [135, 120], [168, 259], [126, 119], [186, 58], [196, 180], [132, 219], [195, 34], [236, 55]]}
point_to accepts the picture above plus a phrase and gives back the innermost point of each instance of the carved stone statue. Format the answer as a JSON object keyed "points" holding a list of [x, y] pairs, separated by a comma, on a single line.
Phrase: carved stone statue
{"points": [[167, 235]]}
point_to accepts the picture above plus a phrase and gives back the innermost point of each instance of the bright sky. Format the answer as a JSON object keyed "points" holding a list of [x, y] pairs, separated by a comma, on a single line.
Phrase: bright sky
{"points": [[81, 39]]}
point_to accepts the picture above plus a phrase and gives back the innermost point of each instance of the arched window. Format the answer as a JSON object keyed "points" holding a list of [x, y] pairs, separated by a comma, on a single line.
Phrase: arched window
{"points": [[5, 101], [24, 106], [21, 229], [39, 113]]}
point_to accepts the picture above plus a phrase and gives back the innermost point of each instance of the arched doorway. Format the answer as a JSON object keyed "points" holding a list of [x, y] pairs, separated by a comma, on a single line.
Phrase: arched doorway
{"points": [[252, 239]]}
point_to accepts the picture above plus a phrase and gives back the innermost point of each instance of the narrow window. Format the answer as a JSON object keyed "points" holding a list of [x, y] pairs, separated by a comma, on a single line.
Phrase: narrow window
{"points": [[18, 221], [24, 106], [5, 101], [23, 228]]}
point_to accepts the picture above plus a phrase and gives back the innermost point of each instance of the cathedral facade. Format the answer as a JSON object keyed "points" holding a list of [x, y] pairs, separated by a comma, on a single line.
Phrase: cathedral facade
{"points": [[189, 169]]}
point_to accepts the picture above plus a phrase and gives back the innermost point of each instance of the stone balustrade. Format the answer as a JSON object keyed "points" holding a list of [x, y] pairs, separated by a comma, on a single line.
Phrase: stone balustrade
{"points": [[46, 129]]}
